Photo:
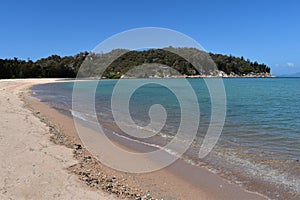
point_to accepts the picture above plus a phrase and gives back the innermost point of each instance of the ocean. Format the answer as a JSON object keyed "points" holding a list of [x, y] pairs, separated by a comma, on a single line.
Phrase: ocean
{"points": [[259, 147]]}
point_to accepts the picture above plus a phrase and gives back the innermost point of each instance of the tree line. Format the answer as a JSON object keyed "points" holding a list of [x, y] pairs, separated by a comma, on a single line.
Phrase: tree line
{"points": [[56, 66], [53, 66]]}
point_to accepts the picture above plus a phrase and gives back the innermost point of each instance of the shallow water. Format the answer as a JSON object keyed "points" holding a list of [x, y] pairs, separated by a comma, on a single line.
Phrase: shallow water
{"points": [[260, 143]]}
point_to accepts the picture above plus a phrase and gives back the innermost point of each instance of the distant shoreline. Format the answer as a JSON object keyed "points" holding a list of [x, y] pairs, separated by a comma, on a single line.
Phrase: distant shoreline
{"points": [[219, 74]]}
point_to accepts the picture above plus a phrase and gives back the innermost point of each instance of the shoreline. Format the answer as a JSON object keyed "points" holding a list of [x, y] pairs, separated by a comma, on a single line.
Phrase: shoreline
{"points": [[216, 74], [33, 167], [184, 185]]}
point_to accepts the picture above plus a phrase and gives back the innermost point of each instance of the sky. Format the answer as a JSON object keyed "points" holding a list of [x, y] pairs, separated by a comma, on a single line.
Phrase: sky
{"points": [[267, 31]]}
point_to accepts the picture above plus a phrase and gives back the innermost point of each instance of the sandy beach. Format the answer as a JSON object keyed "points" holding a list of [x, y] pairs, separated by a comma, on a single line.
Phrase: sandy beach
{"points": [[33, 167], [42, 158]]}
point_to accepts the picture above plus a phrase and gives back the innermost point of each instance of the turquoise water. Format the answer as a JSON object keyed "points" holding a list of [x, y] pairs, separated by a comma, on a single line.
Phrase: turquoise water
{"points": [[260, 142]]}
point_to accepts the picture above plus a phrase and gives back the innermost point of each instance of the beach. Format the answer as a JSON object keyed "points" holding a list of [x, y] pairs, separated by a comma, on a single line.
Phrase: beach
{"points": [[33, 167], [43, 158]]}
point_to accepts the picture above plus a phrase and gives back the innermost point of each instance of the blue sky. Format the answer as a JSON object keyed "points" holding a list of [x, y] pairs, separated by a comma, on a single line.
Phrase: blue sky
{"points": [[267, 31]]}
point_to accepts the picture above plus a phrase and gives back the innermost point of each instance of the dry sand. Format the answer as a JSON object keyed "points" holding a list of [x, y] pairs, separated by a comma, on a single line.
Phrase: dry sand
{"points": [[32, 167]]}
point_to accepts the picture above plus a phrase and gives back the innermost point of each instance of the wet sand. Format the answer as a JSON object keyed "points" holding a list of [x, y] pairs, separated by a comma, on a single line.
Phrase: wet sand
{"points": [[178, 181], [33, 167]]}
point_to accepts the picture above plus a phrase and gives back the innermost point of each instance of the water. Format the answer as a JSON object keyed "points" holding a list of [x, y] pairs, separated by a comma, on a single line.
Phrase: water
{"points": [[260, 143]]}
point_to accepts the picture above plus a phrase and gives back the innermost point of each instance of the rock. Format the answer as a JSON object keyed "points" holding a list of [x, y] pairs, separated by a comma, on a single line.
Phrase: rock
{"points": [[77, 146], [109, 180], [87, 158]]}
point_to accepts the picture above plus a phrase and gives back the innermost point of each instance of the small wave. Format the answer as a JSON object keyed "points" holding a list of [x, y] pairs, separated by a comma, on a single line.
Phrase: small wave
{"points": [[167, 150], [83, 116], [86, 117], [265, 172]]}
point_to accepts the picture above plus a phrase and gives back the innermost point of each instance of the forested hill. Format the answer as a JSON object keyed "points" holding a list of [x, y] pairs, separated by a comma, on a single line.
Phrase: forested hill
{"points": [[67, 67]]}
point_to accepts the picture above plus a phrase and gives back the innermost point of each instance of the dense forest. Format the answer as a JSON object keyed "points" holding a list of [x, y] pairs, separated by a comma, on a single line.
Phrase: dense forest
{"points": [[67, 67], [51, 67]]}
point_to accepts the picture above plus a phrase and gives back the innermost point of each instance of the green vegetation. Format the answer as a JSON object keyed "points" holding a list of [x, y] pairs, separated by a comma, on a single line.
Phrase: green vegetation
{"points": [[67, 67], [52, 67], [238, 65]]}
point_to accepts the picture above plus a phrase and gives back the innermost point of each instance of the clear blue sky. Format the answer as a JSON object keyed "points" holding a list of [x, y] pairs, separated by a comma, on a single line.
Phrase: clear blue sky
{"points": [[264, 30]]}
